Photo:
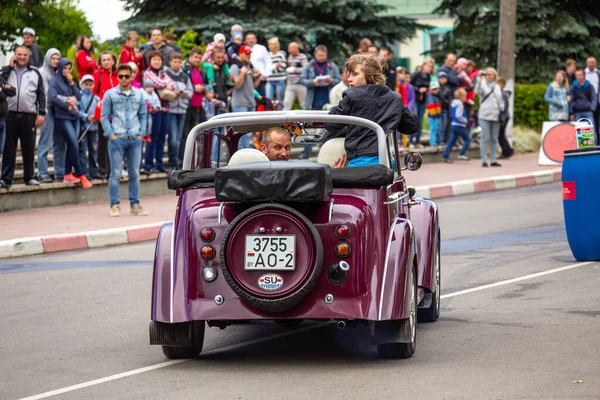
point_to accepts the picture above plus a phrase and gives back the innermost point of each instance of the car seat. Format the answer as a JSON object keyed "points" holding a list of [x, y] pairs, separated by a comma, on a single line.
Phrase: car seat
{"points": [[331, 151], [243, 156]]}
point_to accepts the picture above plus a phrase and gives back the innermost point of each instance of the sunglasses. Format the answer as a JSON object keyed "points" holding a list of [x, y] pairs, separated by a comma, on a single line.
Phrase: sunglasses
{"points": [[124, 76]]}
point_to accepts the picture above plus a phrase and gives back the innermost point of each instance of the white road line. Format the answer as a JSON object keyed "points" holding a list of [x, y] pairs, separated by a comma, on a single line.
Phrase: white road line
{"points": [[280, 335], [169, 363], [509, 281]]}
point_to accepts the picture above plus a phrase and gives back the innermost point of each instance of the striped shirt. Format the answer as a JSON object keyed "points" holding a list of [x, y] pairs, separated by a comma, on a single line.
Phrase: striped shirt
{"points": [[295, 65], [278, 72]]}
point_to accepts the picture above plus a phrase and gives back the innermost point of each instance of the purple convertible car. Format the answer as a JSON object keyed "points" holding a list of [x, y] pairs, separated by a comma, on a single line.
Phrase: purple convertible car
{"points": [[290, 241]]}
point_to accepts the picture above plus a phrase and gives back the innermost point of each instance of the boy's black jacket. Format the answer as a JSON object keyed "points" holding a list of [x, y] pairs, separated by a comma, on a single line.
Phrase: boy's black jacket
{"points": [[377, 103]]}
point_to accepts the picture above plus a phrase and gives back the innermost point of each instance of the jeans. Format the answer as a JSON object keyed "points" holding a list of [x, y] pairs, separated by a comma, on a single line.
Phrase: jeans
{"points": [[244, 142], [45, 143], [294, 91], [175, 133], [88, 152], [155, 150], [118, 149], [69, 130], [458, 131], [261, 88], [420, 111], [59, 154], [2, 135], [275, 88], [489, 133], [434, 127]]}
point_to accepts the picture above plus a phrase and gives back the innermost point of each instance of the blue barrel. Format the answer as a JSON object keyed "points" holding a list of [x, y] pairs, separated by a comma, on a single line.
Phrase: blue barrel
{"points": [[581, 202]]}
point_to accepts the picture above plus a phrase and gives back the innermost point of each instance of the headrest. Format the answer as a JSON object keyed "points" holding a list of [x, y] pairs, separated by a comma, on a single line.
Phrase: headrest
{"points": [[244, 156]]}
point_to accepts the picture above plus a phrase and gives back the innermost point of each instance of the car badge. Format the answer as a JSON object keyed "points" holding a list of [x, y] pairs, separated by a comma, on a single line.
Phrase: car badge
{"points": [[270, 282]]}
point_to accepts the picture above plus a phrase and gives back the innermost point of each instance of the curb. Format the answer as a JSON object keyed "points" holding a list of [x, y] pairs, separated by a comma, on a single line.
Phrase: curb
{"points": [[139, 233]]}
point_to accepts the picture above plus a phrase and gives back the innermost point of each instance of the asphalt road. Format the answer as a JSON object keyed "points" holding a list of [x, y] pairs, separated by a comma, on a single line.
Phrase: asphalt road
{"points": [[81, 319]]}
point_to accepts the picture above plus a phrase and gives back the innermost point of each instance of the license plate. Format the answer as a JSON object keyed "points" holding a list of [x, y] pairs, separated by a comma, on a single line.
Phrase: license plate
{"points": [[270, 252]]}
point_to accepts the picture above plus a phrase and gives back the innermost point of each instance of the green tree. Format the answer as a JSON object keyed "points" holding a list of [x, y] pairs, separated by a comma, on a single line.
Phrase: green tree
{"points": [[548, 32], [339, 24]]}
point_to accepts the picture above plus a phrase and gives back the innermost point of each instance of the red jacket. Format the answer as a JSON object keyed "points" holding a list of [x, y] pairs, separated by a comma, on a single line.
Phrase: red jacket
{"points": [[86, 63], [103, 81], [471, 93], [128, 55]]}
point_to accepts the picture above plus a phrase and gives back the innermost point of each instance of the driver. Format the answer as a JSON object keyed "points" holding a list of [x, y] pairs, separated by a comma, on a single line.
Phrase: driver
{"points": [[277, 144]]}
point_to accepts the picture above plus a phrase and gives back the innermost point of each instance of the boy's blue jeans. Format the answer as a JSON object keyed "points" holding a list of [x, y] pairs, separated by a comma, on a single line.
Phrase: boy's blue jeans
{"points": [[175, 133], [455, 133], [117, 149], [44, 145]]}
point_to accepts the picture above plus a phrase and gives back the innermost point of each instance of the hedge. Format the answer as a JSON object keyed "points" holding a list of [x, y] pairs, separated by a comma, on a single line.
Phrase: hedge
{"points": [[530, 108]]}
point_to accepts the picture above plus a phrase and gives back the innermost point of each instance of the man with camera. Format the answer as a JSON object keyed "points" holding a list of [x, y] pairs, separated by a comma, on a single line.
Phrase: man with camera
{"points": [[26, 113]]}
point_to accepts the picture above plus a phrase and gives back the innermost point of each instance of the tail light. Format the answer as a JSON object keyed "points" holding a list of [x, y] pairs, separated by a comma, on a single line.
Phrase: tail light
{"points": [[207, 234], [342, 232], [208, 252], [342, 250]]}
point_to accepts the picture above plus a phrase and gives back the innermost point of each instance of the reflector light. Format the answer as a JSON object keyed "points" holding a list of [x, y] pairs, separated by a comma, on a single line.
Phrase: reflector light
{"points": [[342, 250], [342, 231], [209, 274], [207, 234], [208, 252]]}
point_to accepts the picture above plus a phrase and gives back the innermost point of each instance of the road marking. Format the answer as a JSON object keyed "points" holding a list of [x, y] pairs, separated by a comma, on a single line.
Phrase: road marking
{"points": [[280, 335], [169, 363], [519, 279]]}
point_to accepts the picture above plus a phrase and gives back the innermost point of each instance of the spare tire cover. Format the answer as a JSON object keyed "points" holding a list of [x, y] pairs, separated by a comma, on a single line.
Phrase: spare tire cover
{"points": [[273, 220]]}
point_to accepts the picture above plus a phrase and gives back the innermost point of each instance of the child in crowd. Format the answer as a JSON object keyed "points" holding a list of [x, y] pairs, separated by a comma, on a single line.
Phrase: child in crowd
{"points": [[134, 68], [368, 97], [407, 91], [434, 112], [88, 138], [237, 39], [177, 107], [445, 101], [459, 127], [507, 151], [152, 102], [211, 108]]}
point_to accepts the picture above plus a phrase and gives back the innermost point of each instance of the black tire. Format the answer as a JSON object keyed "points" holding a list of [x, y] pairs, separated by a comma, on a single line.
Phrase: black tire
{"points": [[399, 350], [432, 313], [285, 303], [176, 352]]}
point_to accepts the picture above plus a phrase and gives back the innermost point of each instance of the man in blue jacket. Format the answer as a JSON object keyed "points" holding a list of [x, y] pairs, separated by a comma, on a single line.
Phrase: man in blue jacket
{"points": [[583, 98]]}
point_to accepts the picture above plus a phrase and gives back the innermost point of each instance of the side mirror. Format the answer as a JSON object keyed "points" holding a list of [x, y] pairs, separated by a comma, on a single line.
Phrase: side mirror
{"points": [[412, 161]]}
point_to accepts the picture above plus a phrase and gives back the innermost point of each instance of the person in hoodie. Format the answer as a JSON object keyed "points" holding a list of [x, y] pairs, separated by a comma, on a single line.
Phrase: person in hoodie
{"points": [[88, 126], [558, 97], [48, 137], [86, 63], [105, 78], [160, 120], [67, 119], [583, 98], [368, 97], [459, 127], [178, 107], [434, 114]]}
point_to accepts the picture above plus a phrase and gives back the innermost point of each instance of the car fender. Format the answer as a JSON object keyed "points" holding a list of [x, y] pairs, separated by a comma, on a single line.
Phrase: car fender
{"points": [[425, 219], [394, 301], [161, 276]]}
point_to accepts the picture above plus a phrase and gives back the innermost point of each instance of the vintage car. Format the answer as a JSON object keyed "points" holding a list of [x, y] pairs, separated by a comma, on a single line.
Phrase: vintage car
{"points": [[291, 241]]}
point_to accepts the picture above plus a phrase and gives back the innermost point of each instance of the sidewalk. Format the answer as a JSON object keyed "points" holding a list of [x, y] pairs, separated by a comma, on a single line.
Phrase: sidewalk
{"points": [[69, 227]]}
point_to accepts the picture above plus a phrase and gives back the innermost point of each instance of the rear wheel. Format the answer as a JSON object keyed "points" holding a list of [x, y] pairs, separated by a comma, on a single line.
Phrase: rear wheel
{"points": [[393, 330], [432, 313], [196, 333]]}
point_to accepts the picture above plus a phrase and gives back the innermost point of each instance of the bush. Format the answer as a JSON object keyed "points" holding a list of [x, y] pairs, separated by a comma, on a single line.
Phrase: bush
{"points": [[530, 108], [525, 140]]}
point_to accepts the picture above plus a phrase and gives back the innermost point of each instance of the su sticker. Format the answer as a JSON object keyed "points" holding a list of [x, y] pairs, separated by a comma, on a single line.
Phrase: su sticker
{"points": [[568, 190], [270, 282]]}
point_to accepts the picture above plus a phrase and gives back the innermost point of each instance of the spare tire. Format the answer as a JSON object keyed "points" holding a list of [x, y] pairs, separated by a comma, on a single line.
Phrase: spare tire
{"points": [[275, 277]]}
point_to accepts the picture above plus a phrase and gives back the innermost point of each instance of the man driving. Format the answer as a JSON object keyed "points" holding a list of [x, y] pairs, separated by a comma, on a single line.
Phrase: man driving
{"points": [[277, 144]]}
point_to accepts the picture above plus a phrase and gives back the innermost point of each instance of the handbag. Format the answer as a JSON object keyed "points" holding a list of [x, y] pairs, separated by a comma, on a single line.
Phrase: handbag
{"points": [[166, 94]]}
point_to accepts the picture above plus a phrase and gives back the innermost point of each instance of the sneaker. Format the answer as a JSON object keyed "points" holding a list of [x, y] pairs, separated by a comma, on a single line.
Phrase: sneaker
{"points": [[465, 158], [475, 132], [136, 209], [496, 164], [115, 211], [85, 183], [46, 179], [4, 185], [145, 171], [71, 178], [447, 160], [484, 165], [32, 182]]}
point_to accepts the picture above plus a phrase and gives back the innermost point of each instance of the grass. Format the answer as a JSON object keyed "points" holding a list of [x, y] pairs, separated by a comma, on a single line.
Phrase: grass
{"points": [[525, 140]]}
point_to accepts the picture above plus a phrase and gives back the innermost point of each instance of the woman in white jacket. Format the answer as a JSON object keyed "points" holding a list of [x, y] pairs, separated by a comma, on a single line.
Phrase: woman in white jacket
{"points": [[490, 107]]}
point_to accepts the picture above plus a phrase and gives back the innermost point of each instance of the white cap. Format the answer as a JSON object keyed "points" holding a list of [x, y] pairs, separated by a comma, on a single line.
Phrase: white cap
{"points": [[87, 77], [219, 37], [28, 31]]}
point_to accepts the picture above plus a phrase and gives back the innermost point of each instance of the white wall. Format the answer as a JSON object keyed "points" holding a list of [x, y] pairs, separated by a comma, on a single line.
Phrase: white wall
{"points": [[413, 48]]}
